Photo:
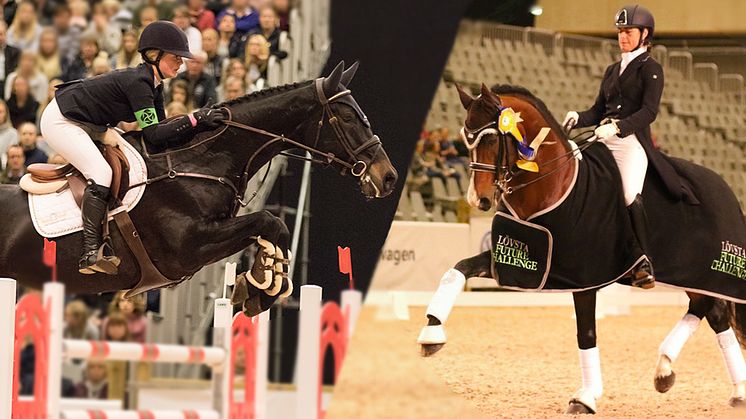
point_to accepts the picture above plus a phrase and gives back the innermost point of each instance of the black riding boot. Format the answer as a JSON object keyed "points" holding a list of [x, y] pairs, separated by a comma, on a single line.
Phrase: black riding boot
{"points": [[642, 273], [94, 206]]}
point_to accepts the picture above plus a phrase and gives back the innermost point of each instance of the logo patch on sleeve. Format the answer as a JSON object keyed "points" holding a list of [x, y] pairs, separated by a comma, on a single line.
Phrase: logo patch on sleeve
{"points": [[146, 117]]}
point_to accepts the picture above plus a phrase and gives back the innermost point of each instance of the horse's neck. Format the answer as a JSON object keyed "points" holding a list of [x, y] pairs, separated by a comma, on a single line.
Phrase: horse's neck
{"points": [[553, 156]]}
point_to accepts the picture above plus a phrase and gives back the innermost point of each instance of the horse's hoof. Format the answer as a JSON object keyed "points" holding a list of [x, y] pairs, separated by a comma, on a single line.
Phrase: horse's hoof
{"points": [[577, 408], [737, 402], [663, 384], [429, 349]]}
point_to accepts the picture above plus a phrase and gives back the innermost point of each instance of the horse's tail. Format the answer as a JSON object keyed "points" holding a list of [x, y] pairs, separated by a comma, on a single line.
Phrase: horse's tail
{"points": [[737, 320]]}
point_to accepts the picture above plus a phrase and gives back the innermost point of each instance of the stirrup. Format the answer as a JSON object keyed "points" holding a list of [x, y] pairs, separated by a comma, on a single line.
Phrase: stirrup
{"points": [[101, 263], [642, 276]]}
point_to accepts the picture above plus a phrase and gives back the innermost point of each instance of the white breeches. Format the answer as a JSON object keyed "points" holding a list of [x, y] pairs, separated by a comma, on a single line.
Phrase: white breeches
{"points": [[632, 162], [71, 141]]}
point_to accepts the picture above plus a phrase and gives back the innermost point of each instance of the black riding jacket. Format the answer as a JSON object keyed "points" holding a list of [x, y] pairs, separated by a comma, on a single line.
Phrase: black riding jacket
{"points": [[634, 98], [127, 95]]}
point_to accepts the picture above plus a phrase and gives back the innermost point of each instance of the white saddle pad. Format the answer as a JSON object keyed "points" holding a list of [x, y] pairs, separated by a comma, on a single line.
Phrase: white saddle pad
{"points": [[57, 214]]}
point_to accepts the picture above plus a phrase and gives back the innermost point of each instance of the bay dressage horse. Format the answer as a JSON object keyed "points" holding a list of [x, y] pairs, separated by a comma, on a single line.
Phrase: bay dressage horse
{"points": [[561, 225]]}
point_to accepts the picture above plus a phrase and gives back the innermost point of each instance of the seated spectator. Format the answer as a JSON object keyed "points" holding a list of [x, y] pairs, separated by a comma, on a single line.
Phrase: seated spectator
{"points": [[269, 26], [8, 134], [145, 17], [109, 36], [194, 36], [95, 383], [10, 54], [282, 8], [448, 150], [22, 106], [27, 138], [176, 109], [77, 325], [257, 58], [230, 41], [25, 30], [114, 328], [201, 85], [28, 69], [83, 63], [200, 17], [119, 16], [246, 18], [48, 62], [15, 169], [178, 91], [132, 311], [215, 61], [127, 56], [68, 35], [233, 88], [236, 68], [79, 10], [428, 153], [101, 65]]}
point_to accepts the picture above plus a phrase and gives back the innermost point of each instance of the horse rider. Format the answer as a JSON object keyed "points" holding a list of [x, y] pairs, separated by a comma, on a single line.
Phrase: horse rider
{"points": [[626, 105], [131, 94]]}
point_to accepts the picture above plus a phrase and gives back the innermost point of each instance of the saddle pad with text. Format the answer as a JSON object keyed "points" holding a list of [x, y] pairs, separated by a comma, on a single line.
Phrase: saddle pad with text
{"points": [[521, 253], [57, 214]]}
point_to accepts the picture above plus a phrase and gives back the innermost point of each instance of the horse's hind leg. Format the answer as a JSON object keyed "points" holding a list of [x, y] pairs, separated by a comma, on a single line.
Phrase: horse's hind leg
{"points": [[433, 337], [717, 317], [584, 400], [668, 352]]}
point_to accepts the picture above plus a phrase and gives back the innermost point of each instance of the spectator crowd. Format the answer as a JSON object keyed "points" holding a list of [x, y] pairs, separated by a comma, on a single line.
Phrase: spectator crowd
{"points": [[44, 43]]}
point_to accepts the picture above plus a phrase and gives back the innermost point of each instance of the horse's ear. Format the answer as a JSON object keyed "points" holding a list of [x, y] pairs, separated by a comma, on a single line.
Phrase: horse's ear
{"points": [[466, 100], [486, 90], [349, 73], [331, 83]]}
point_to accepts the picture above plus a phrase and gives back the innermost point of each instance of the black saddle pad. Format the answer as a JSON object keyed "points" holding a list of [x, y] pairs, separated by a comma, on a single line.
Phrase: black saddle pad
{"points": [[521, 253]]}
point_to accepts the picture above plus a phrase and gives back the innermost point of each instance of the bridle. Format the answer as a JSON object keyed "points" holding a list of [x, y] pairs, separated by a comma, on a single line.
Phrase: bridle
{"points": [[356, 166], [504, 171]]}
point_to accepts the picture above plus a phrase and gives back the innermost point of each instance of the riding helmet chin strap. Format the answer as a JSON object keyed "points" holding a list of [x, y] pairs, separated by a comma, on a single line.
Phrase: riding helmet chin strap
{"points": [[155, 62]]}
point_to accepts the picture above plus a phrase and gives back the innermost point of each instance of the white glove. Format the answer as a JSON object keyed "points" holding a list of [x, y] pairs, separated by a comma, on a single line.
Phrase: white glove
{"points": [[606, 131], [572, 119]]}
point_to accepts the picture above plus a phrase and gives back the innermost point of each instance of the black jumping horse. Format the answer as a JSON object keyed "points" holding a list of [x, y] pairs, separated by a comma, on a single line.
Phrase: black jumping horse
{"points": [[188, 220], [696, 247]]}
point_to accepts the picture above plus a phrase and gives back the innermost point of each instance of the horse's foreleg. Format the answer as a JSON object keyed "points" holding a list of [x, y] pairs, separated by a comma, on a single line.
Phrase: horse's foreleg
{"points": [[717, 318], [433, 337], [267, 281], [670, 349], [584, 400]]}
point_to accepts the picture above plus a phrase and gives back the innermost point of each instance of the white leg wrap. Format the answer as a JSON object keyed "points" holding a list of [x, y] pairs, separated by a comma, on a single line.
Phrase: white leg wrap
{"points": [[451, 285], [677, 337], [732, 355], [590, 367]]}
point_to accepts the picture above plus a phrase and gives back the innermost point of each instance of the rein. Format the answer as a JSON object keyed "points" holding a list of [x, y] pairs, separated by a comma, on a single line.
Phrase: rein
{"points": [[357, 167]]}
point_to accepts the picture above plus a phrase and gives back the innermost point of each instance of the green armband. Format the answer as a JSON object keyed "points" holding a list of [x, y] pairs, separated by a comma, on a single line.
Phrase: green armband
{"points": [[146, 117]]}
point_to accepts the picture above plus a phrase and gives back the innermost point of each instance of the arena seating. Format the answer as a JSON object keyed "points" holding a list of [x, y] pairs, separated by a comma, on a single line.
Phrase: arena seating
{"points": [[702, 116]]}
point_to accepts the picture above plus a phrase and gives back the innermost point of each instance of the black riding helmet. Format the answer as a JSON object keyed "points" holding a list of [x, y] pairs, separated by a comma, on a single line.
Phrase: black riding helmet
{"points": [[636, 16], [163, 36]]}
